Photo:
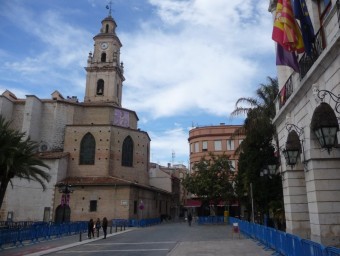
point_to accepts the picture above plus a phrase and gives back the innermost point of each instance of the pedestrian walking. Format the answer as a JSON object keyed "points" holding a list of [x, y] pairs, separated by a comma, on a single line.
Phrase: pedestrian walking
{"points": [[98, 226], [189, 219], [90, 229], [104, 225]]}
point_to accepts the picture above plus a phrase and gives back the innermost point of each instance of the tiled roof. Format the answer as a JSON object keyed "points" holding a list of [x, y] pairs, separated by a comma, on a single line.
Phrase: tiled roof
{"points": [[95, 180], [105, 181], [52, 155]]}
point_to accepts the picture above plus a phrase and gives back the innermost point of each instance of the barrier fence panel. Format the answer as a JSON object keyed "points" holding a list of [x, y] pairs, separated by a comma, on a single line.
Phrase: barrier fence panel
{"points": [[310, 248], [34, 232], [283, 243], [332, 251], [210, 220]]}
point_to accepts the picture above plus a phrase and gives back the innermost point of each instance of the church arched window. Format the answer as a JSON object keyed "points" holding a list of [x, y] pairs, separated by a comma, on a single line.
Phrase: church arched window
{"points": [[87, 149], [107, 28], [100, 87], [127, 152], [103, 58]]}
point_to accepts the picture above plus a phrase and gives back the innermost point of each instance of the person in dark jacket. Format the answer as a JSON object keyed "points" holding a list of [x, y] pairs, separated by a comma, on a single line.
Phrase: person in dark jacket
{"points": [[90, 229], [98, 226], [189, 219], [104, 225]]}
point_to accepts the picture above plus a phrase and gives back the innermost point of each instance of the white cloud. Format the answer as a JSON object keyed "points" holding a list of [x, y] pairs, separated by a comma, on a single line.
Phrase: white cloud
{"points": [[204, 56], [62, 50], [187, 56], [170, 141]]}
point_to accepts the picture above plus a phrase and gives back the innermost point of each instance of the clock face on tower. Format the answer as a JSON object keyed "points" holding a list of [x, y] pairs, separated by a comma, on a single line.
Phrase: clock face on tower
{"points": [[104, 45]]}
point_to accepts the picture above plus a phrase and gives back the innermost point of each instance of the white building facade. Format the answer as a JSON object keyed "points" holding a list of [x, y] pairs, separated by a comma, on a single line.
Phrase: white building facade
{"points": [[306, 104]]}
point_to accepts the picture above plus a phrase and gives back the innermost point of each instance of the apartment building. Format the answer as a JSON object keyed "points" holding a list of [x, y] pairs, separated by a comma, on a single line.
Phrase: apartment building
{"points": [[216, 139]]}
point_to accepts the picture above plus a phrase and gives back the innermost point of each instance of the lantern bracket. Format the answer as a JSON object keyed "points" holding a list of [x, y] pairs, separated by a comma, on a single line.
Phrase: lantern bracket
{"points": [[322, 94]]}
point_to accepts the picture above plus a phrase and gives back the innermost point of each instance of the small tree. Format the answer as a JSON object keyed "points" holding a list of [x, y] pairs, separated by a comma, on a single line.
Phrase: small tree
{"points": [[18, 158], [212, 179]]}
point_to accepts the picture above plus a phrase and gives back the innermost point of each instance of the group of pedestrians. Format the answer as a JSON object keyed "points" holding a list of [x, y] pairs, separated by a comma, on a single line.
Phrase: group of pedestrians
{"points": [[96, 226]]}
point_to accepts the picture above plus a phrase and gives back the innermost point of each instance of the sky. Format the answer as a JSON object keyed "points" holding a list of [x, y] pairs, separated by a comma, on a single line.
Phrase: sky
{"points": [[186, 62]]}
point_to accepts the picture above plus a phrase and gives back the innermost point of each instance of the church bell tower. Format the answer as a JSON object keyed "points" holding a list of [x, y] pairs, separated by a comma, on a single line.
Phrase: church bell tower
{"points": [[104, 78]]}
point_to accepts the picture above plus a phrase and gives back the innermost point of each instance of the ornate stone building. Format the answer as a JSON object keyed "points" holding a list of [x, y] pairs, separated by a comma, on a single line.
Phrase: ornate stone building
{"points": [[307, 113], [98, 157]]}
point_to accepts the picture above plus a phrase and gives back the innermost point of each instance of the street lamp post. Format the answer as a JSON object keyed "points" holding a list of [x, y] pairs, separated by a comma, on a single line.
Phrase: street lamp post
{"points": [[252, 203]]}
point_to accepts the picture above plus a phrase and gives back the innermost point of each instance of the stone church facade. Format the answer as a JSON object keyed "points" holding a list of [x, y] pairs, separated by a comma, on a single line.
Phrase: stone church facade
{"points": [[98, 157]]}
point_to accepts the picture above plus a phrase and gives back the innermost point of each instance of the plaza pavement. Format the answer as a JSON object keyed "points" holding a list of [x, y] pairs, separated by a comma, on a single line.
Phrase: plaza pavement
{"points": [[196, 240]]}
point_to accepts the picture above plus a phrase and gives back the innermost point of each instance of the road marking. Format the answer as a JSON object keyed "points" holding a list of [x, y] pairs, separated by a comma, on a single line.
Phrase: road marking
{"points": [[167, 242], [127, 250]]}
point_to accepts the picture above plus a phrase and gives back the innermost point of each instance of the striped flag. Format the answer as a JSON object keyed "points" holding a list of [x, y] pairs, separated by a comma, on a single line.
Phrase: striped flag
{"points": [[286, 58], [286, 31]]}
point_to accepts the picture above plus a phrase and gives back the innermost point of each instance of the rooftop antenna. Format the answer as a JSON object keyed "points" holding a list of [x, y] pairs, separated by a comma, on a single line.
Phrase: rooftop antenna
{"points": [[173, 157], [109, 7]]}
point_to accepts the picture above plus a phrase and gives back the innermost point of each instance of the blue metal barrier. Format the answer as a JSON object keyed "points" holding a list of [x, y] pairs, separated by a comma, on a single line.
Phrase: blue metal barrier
{"points": [[311, 248], [210, 220], [143, 222], [293, 244], [283, 243], [33, 232], [332, 251]]}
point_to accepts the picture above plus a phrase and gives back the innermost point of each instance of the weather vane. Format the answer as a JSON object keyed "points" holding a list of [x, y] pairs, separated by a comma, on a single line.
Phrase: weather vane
{"points": [[109, 7]]}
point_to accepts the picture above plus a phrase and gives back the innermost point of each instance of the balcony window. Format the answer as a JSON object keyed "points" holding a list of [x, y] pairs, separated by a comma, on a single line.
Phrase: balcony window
{"points": [[205, 146], [197, 147], [230, 145], [218, 145], [324, 7]]}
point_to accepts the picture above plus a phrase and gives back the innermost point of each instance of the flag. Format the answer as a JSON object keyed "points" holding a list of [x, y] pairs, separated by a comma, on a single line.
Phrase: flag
{"points": [[286, 31], [282, 96], [301, 13], [286, 58]]}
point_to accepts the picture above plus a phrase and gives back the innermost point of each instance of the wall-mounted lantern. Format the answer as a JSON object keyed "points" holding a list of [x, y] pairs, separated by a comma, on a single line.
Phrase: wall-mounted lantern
{"points": [[325, 124]]}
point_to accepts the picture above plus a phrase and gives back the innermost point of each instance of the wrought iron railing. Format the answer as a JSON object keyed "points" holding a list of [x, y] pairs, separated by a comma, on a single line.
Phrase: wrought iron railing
{"points": [[306, 62], [286, 92]]}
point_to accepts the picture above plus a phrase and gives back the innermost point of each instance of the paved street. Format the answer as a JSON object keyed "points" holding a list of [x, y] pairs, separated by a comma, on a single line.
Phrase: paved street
{"points": [[169, 239]]}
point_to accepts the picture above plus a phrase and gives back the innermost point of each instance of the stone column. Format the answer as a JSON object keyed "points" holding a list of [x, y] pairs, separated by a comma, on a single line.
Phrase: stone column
{"points": [[323, 183], [295, 201]]}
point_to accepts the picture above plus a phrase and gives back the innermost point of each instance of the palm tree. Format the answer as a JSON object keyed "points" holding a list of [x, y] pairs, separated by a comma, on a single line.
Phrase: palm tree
{"points": [[260, 110], [18, 159], [264, 101], [256, 150]]}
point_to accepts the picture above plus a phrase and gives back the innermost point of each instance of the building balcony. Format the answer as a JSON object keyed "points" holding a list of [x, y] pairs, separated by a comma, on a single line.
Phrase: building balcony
{"points": [[327, 39]]}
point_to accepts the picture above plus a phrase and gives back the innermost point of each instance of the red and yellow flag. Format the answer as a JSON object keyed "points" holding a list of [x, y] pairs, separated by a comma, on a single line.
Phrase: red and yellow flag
{"points": [[286, 31]]}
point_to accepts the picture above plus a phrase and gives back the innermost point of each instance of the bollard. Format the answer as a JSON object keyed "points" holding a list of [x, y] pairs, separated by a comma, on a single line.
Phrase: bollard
{"points": [[80, 236], [111, 230], [116, 228], [124, 226], [121, 227]]}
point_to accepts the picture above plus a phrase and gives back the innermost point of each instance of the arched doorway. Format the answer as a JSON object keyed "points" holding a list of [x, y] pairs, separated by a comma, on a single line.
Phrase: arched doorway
{"points": [[62, 214]]}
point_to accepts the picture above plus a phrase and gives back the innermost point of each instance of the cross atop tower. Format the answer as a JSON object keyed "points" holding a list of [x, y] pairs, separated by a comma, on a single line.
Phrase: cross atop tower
{"points": [[109, 7]]}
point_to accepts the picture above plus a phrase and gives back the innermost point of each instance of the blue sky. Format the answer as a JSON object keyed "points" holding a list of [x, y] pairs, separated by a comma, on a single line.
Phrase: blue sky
{"points": [[186, 61]]}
